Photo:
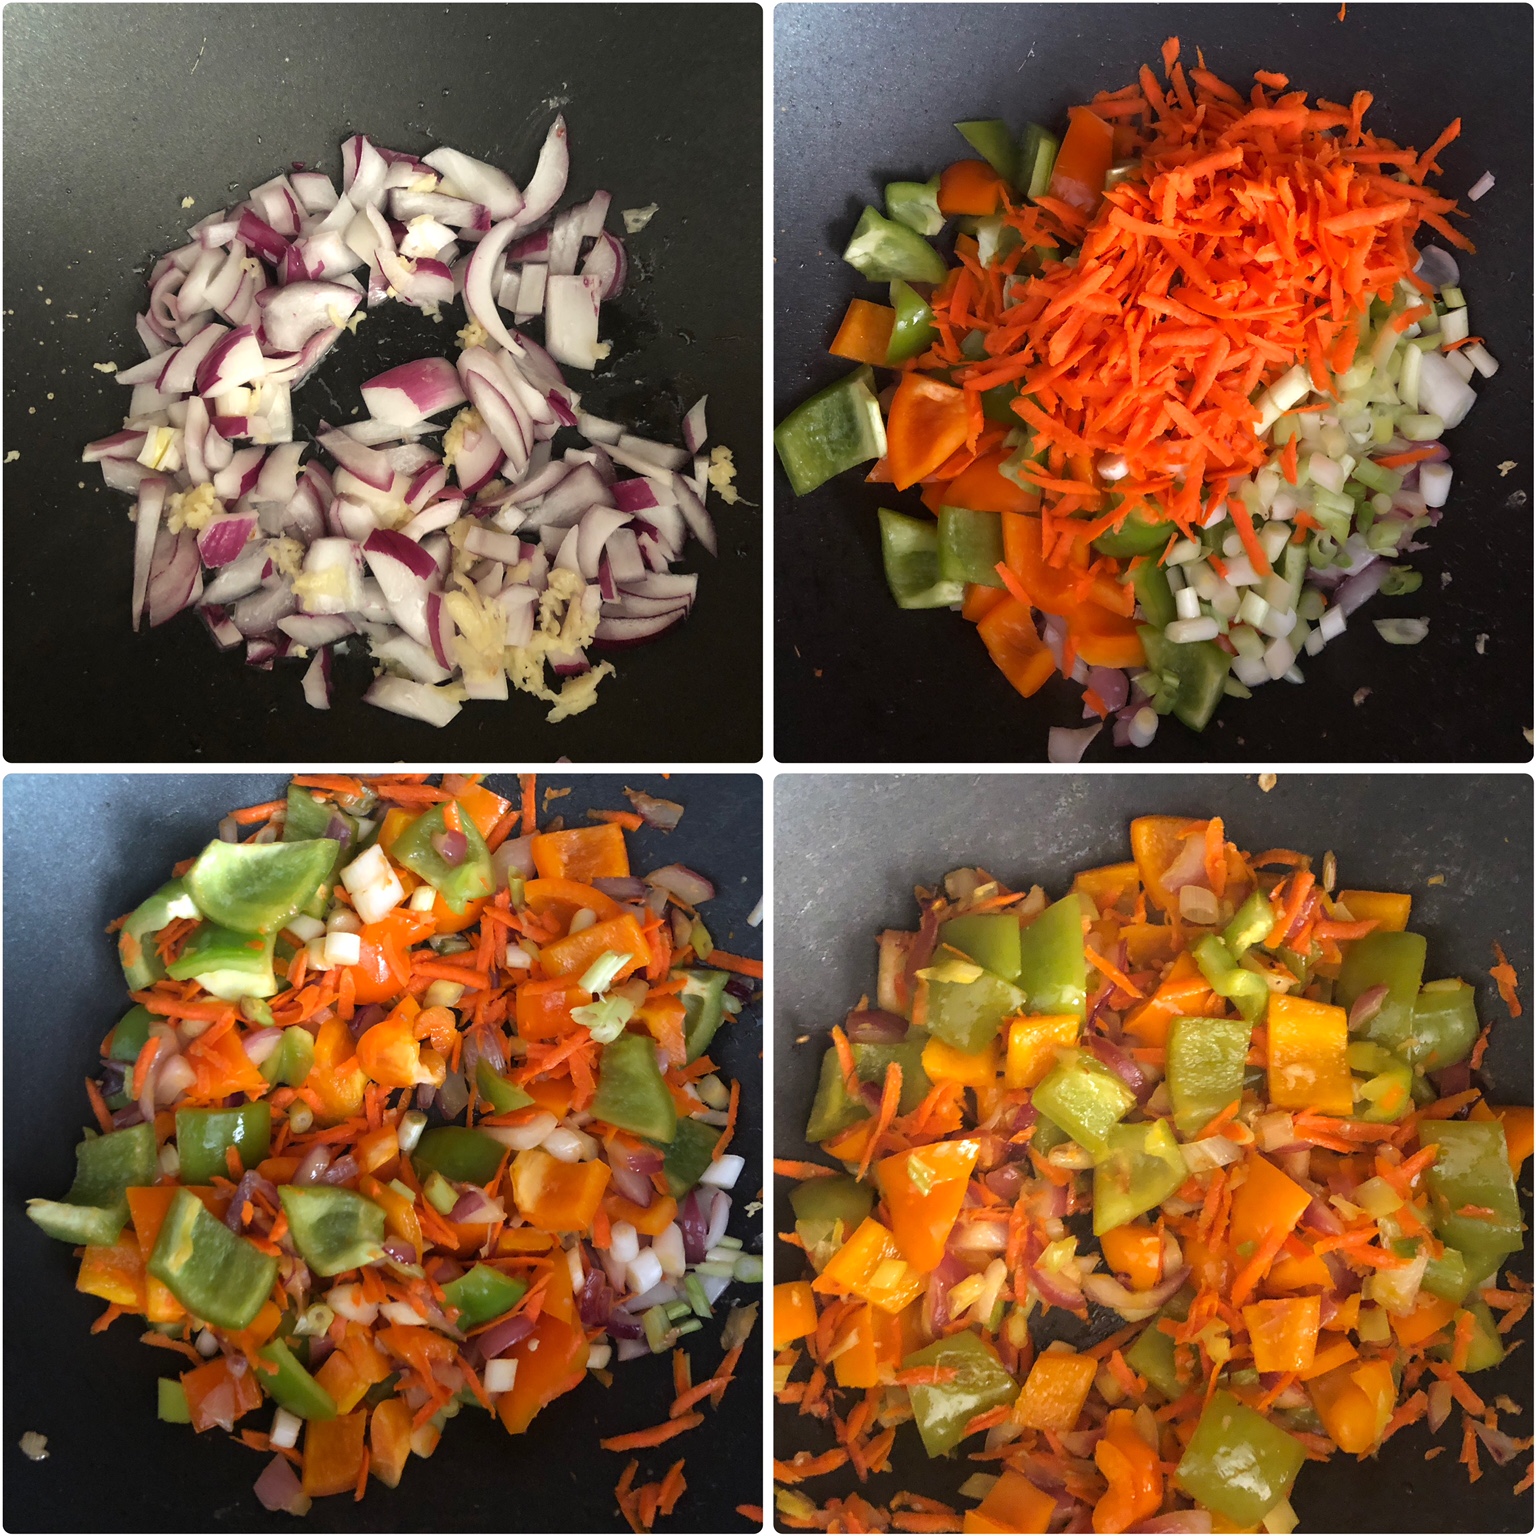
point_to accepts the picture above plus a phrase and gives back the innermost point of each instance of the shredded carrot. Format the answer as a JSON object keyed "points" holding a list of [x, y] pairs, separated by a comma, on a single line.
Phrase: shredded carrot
{"points": [[658, 1434], [722, 961]]}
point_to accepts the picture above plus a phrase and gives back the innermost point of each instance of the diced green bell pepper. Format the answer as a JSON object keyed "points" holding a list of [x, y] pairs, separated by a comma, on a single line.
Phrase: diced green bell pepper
{"points": [[1149, 581], [1085, 1099], [1447, 1275], [968, 1014], [1135, 536], [992, 140], [228, 964], [834, 1109], [214, 1273], [703, 1008], [291, 1386], [1140, 1169], [131, 1033], [885, 251], [943, 1411], [1471, 1168], [991, 939], [1191, 678], [689, 1154], [290, 1063], [1245, 988], [458, 884], [870, 1061], [1037, 158], [203, 1136], [334, 1229], [501, 1093], [913, 331], [1397, 961], [1386, 1095], [305, 817], [96, 1207], [1206, 1058], [997, 404], [827, 1213], [171, 1402], [1445, 1026], [1047, 1134], [909, 551], [915, 204], [1053, 971], [142, 966], [1153, 1356], [631, 1092], [482, 1294], [1250, 925], [1238, 1464], [970, 547], [1486, 1349], [466, 1156], [837, 428], [257, 887]]}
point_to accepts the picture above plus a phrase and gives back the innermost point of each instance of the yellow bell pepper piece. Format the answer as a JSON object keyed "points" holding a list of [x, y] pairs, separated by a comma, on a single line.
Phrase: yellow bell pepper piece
{"points": [[1389, 909], [1283, 1332], [1056, 1390], [1033, 1041], [1308, 1068], [944, 1064], [794, 1312], [870, 1266]]}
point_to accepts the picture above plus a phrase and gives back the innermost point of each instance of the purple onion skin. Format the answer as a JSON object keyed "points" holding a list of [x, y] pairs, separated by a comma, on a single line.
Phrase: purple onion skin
{"points": [[874, 1026], [500, 1337], [694, 1223]]}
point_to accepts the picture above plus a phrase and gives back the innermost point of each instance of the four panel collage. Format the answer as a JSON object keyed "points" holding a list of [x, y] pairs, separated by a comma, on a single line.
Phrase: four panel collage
{"points": [[960, 572]]}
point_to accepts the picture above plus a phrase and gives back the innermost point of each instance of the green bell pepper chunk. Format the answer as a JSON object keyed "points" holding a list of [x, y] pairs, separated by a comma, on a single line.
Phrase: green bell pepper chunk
{"points": [[834, 1109], [1191, 678], [1386, 1095], [1206, 1058], [1140, 1169], [991, 939], [1250, 925], [1482, 1264], [501, 1093], [834, 430], [257, 887], [870, 1062], [839, 1198], [292, 1387], [483, 1294], [1245, 988], [1136, 536], [305, 817], [142, 967], [458, 884], [1397, 961], [970, 547], [1445, 1026], [334, 1229], [915, 204], [228, 964], [290, 1063], [1037, 158], [1149, 581], [691, 1151], [885, 251], [466, 1156], [1085, 1099], [992, 140], [1486, 1349], [913, 331], [997, 404], [130, 1034], [968, 1014], [1153, 1356], [1472, 1168], [703, 1008], [203, 1136], [909, 551], [171, 1405], [942, 1412], [1047, 1134], [1446, 1276], [1053, 972], [96, 1208], [1238, 1464], [631, 1092], [213, 1272]]}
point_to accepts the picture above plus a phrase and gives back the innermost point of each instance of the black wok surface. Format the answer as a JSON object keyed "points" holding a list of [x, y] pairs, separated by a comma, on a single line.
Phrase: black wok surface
{"points": [[849, 850], [114, 113], [80, 850], [866, 94]]}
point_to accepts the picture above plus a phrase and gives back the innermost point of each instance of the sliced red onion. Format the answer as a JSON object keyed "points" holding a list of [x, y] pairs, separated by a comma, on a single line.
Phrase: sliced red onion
{"points": [[570, 319], [873, 1026], [413, 391], [279, 1489], [222, 539], [547, 185], [685, 884], [700, 524], [1367, 1006], [1108, 1292], [1124, 1066], [502, 1336], [152, 493], [695, 432], [417, 701], [174, 579], [1195, 1522], [473, 181], [1067, 746]]}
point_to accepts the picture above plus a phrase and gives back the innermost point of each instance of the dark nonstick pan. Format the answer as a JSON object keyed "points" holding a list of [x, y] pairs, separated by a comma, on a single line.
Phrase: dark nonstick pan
{"points": [[866, 94], [848, 852], [115, 113], [80, 850]]}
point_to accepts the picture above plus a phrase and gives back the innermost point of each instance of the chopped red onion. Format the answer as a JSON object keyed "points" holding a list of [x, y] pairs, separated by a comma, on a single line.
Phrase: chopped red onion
{"points": [[1067, 746]]}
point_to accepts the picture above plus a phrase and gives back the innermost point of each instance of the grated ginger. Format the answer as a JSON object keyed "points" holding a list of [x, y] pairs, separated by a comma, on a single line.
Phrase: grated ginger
{"points": [[193, 509]]}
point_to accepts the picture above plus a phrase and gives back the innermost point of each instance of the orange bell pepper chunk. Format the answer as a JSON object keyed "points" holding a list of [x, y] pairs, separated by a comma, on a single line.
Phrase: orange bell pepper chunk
{"points": [[1355, 1402], [1156, 842], [333, 1453], [115, 1274], [1283, 1332], [927, 422], [924, 1190], [544, 1007], [340, 1378], [1105, 639], [865, 334], [1110, 886], [389, 1440], [1427, 1319], [983, 488], [399, 1213], [395, 822], [389, 1054], [556, 1196], [794, 1312], [1517, 1120], [383, 970], [944, 1064], [1133, 1472], [650, 1220], [1055, 1391], [1291, 1272], [483, 806], [1083, 161], [561, 899], [1308, 1068], [1183, 991], [970, 187], [1033, 1040], [572, 955], [1014, 644], [1013, 1504], [858, 1358], [979, 601], [870, 1266], [1268, 1201], [217, 1397], [1136, 1251], [582, 853], [335, 1078], [550, 1361], [1389, 910]]}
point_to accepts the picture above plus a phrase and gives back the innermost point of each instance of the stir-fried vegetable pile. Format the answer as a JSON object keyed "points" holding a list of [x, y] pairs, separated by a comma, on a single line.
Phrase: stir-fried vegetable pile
{"points": [[413, 1112], [1174, 406], [1205, 1091]]}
